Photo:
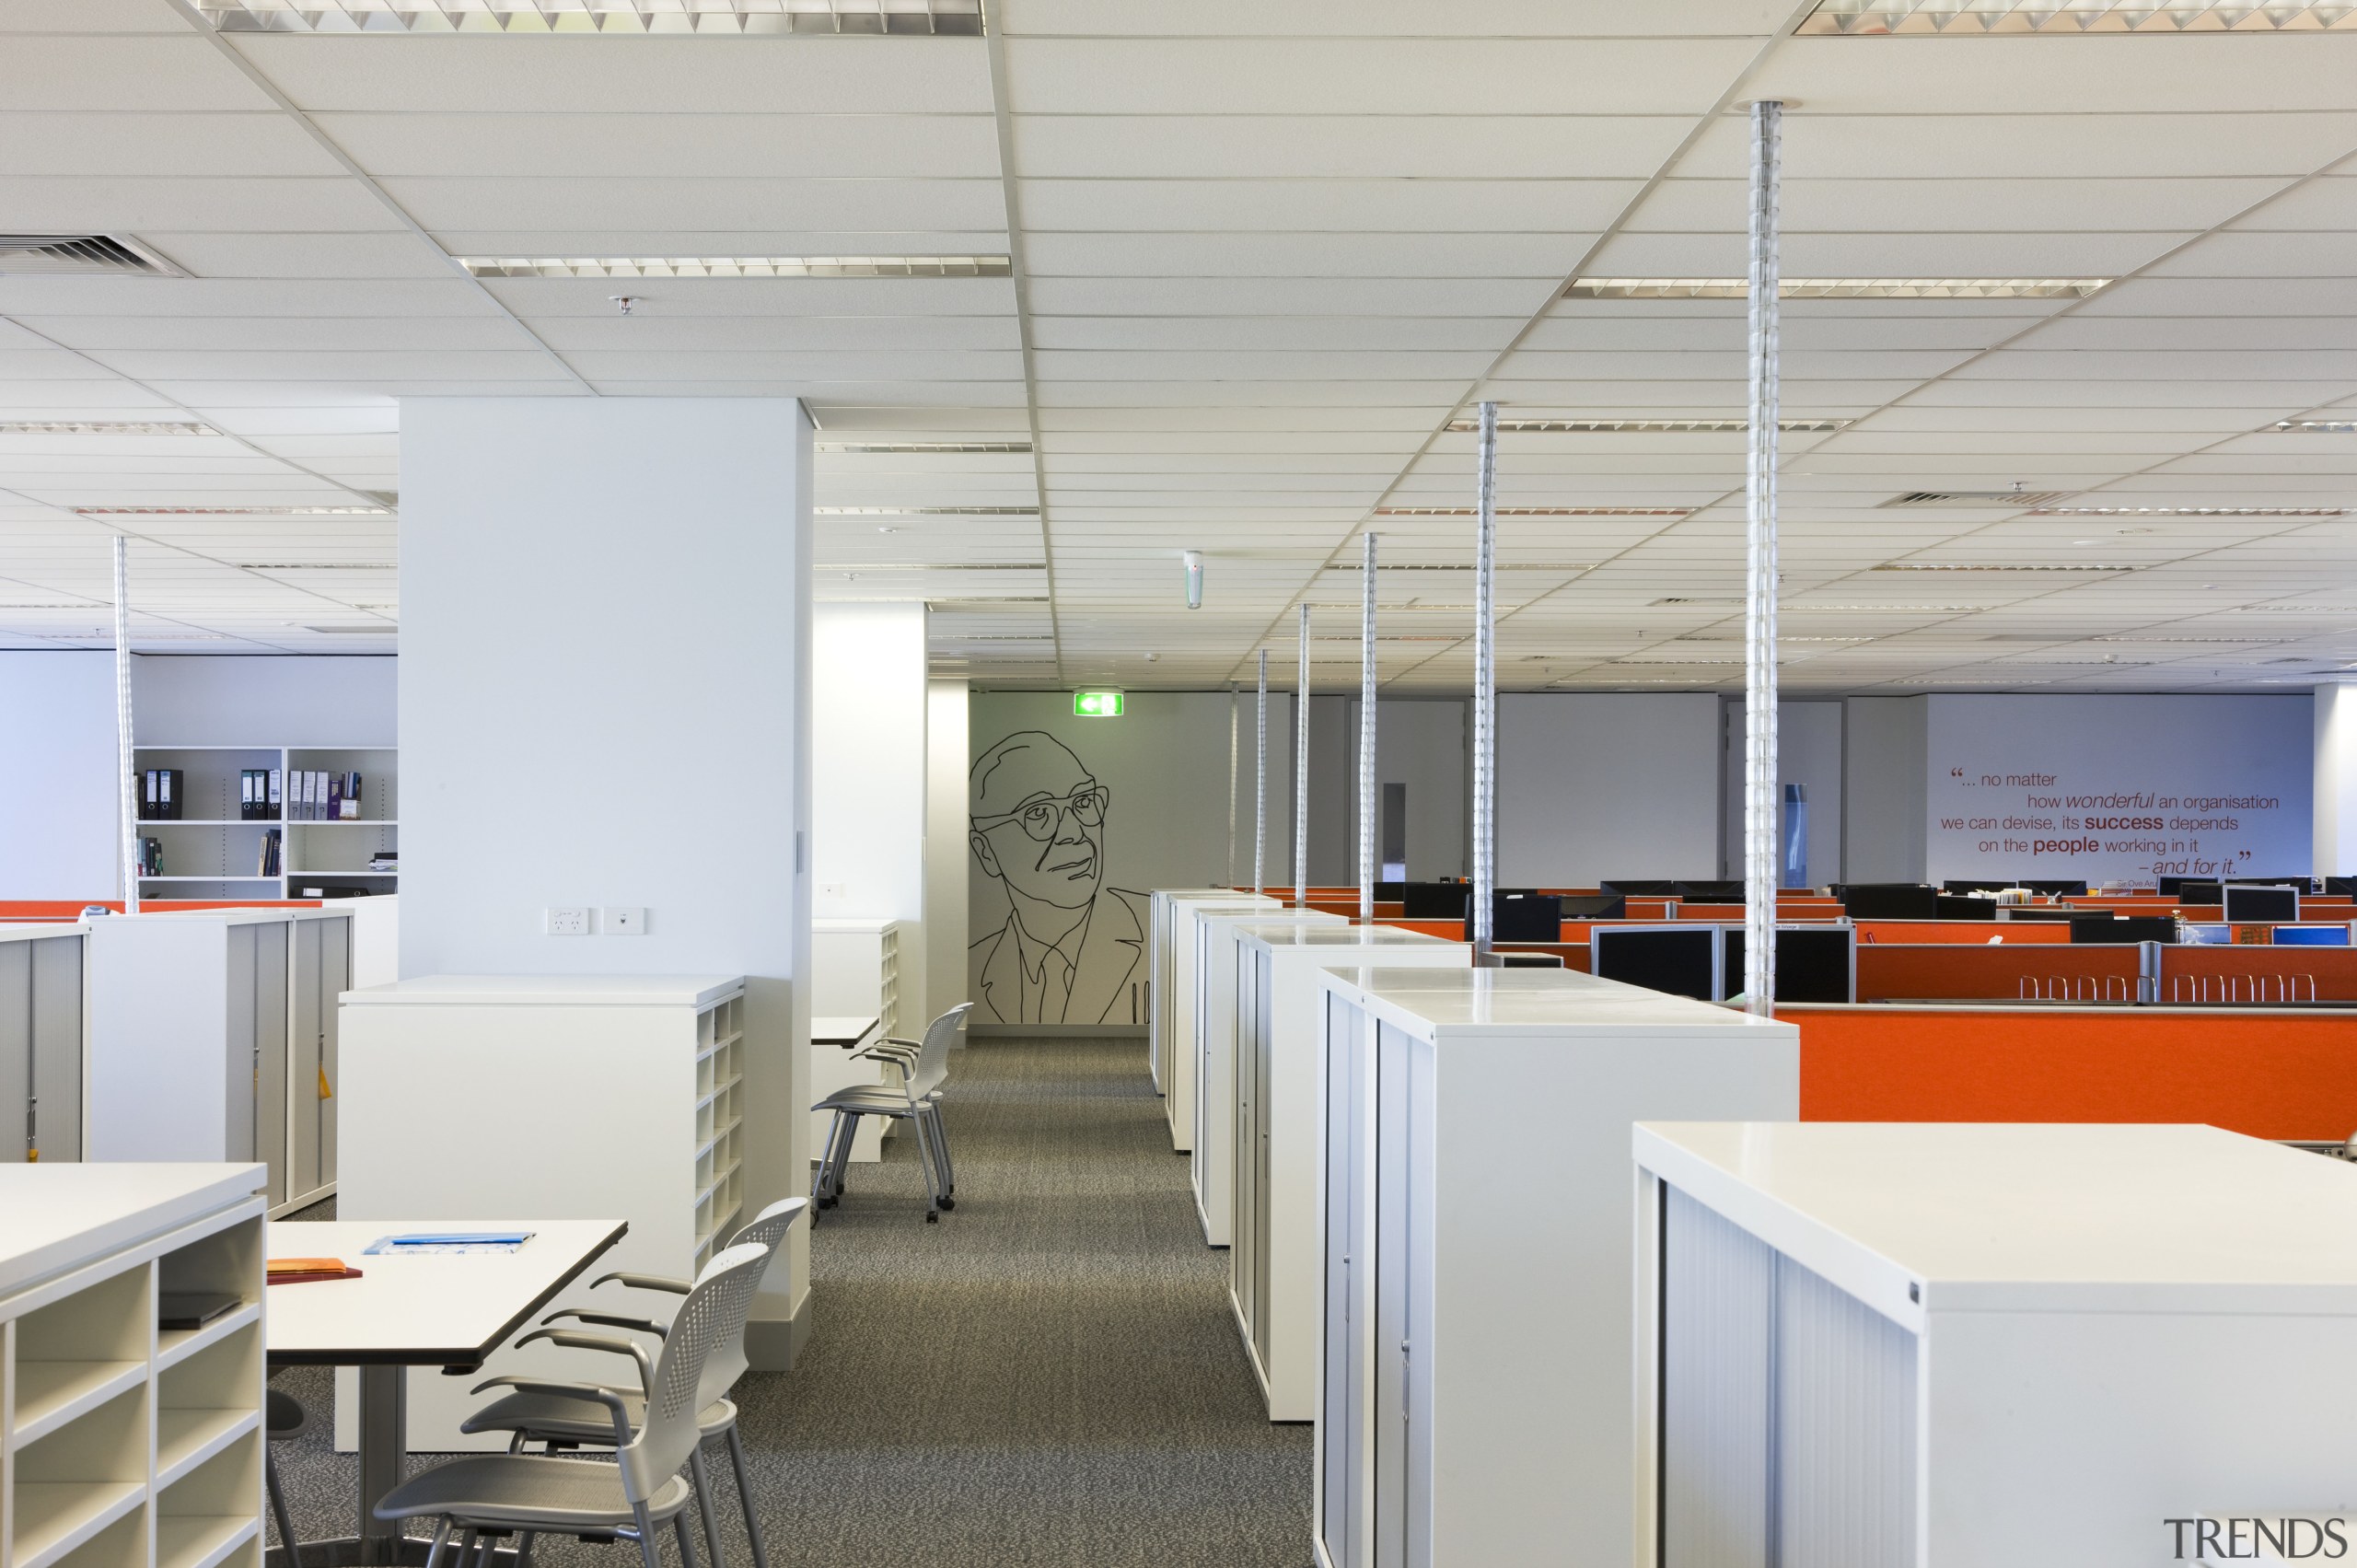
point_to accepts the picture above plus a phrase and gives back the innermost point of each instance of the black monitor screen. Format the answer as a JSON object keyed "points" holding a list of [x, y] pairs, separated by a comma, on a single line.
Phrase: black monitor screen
{"points": [[1668, 959], [1957, 906], [1711, 893], [1522, 917], [2190, 893], [1654, 890], [2063, 888], [1434, 900], [2167, 886], [2257, 905], [2122, 928], [1593, 906], [1890, 900], [1390, 892], [1812, 963], [2340, 887]]}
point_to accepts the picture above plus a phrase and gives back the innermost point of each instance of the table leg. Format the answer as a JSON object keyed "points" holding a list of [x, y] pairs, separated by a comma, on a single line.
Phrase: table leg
{"points": [[384, 1452]]}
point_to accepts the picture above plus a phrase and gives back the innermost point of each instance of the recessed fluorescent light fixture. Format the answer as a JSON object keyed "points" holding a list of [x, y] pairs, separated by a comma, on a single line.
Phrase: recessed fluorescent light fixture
{"points": [[233, 511], [2189, 512], [1965, 681], [1989, 567], [1465, 566], [2017, 498], [1791, 609], [738, 266], [381, 629], [1536, 511], [903, 447], [934, 566], [2240, 641], [704, 18], [1868, 18], [1641, 426], [104, 428], [1838, 289], [2314, 428], [924, 511]]}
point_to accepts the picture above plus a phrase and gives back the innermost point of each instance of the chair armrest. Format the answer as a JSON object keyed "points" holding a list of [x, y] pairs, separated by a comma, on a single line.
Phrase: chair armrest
{"points": [[606, 1397], [889, 1059], [646, 1282], [610, 1320], [572, 1340]]}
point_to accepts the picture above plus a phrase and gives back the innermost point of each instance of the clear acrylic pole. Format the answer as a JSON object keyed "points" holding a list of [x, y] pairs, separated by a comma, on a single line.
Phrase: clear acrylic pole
{"points": [[1761, 845], [1367, 739], [1485, 690]]}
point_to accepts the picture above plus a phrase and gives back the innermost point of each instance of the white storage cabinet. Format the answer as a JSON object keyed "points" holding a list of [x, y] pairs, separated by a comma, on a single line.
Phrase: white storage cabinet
{"points": [[1273, 1274], [1477, 1365], [1170, 1014], [215, 1035], [1211, 1162], [1950, 1345], [855, 973], [566, 1096], [42, 1042], [128, 1445]]}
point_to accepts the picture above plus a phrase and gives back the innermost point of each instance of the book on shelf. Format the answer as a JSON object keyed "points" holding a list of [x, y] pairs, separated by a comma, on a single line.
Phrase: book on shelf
{"points": [[151, 857], [270, 852], [385, 860]]}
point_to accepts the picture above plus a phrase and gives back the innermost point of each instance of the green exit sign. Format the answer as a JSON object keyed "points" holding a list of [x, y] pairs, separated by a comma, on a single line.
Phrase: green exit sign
{"points": [[1096, 704]]}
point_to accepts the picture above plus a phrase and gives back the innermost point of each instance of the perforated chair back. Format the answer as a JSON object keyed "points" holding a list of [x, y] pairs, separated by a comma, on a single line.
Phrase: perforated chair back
{"points": [[727, 1362], [713, 1316], [932, 1051]]}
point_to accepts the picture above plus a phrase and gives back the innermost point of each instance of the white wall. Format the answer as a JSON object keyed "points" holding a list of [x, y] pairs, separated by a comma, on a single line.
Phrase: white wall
{"points": [[605, 700], [867, 763], [946, 855], [296, 700], [1593, 785], [1419, 743], [1808, 752], [2335, 781], [1883, 809]]}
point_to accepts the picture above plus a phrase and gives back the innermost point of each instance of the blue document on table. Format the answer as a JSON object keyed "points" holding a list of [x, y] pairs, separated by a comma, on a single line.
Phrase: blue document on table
{"points": [[422, 1243]]}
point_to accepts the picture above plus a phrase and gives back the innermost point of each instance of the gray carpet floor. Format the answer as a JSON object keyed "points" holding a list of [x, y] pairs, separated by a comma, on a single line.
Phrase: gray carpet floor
{"points": [[1049, 1376]]}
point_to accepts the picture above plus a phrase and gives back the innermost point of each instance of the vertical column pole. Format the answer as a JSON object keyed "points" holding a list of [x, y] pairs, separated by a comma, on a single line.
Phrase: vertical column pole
{"points": [[1260, 783], [1301, 774], [1485, 690], [127, 805], [1367, 739], [1227, 867], [1760, 793]]}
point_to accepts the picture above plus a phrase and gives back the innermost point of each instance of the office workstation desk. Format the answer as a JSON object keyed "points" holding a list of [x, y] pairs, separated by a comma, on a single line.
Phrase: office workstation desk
{"points": [[1211, 1162], [1474, 1387], [1954, 1344], [1170, 1011], [1273, 1274]]}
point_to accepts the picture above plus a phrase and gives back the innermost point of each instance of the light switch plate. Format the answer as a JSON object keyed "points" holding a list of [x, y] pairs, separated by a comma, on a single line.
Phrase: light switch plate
{"points": [[832, 889], [621, 919], [565, 920]]}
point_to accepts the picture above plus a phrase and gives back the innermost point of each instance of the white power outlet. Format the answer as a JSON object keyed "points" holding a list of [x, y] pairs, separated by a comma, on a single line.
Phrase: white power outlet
{"points": [[621, 919], [565, 920], [833, 889]]}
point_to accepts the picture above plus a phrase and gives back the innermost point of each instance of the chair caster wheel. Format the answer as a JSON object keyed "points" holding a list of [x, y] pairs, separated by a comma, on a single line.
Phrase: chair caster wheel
{"points": [[949, 1203], [931, 1218]]}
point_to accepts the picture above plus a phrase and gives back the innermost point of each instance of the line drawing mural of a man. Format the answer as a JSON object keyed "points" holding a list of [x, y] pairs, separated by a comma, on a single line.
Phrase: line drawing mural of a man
{"points": [[1071, 951]]}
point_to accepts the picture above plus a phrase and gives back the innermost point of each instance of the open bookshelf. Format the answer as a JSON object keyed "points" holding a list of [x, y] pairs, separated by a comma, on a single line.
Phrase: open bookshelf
{"points": [[127, 1445], [210, 853]]}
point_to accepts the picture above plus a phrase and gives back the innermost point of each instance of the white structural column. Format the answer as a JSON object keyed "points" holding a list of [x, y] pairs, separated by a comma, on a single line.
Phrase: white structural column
{"points": [[126, 771], [1260, 781], [947, 855], [1761, 838], [868, 838], [2335, 801], [1301, 773], [605, 620], [1227, 867], [1367, 738], [1485, 687]]}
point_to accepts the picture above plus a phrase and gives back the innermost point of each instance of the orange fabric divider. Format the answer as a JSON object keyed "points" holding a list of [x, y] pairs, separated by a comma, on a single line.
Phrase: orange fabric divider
{"points": [[71, 908], [2274, 1074], [1918, 972], [1960, 932], [2334, 970]]}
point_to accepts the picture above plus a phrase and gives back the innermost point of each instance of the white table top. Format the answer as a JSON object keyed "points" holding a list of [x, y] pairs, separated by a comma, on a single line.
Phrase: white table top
{"points": [[2034, 1216], [35, 930], [1255, 915], [1525, 1002], [54, 1217], [1276, 934], [450, 1310], [698, 991], [844, 1031]]}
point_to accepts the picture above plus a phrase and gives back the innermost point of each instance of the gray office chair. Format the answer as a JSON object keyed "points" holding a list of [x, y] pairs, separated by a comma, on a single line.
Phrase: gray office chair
{"points": [[563, 1422], [916, 1099], [535, 1494]]}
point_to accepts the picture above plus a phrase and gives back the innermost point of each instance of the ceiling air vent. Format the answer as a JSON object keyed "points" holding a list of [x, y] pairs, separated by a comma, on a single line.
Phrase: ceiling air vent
{"points": [[1978, 498], [78, 255]]}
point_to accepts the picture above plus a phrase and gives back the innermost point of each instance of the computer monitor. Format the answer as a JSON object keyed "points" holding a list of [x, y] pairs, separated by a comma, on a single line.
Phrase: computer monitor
{"points": [[2035, 911], [2312, 936], [2301, 884], [1391, 892], [1435, 900], [1659, 888], [1978, 885], [1957, 906], [1682, 960], [1890, 900], [1530, 961], [2340, 887], [2261, 906], [2063, 887], [1522, 915], [2167, 886], [1711, 893], [1593, 906], [2189, 891], [2113, 928], [1814, 963]]}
